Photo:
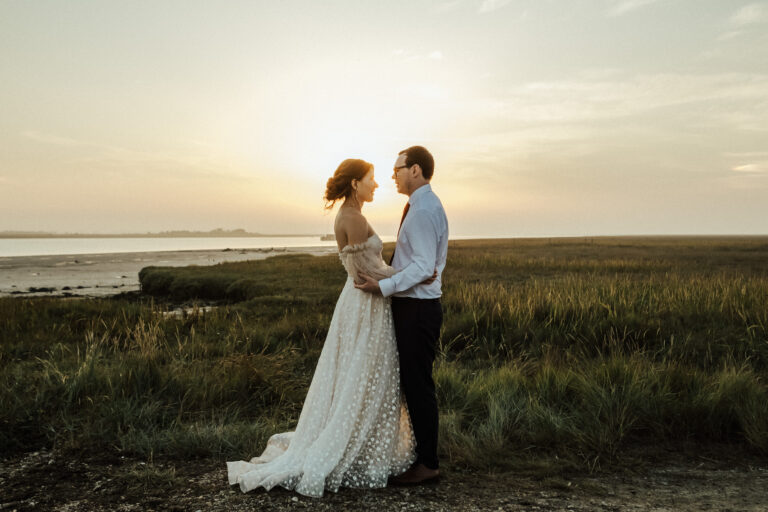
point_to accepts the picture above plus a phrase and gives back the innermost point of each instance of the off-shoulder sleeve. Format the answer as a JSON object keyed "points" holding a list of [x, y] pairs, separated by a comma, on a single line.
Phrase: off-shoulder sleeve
{"points": [[362, 258]]}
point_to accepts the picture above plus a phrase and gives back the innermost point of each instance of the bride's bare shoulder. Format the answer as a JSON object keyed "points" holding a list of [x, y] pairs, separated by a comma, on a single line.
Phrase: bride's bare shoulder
{"points": [[351, 227]]}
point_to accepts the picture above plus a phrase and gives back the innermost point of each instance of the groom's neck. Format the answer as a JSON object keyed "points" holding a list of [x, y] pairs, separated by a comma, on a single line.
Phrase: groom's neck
{"points": [[416, 186]]}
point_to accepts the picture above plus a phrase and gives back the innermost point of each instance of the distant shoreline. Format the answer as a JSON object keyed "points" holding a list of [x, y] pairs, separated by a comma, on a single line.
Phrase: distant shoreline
{"points": [[191, 234], [102, 274]]}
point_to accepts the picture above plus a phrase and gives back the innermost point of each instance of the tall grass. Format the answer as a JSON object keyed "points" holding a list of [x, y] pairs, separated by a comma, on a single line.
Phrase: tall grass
{"points": [[576, 348]]}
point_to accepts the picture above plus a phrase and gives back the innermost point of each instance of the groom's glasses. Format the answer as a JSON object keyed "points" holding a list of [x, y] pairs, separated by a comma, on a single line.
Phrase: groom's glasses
{"points": [[401, 167]]}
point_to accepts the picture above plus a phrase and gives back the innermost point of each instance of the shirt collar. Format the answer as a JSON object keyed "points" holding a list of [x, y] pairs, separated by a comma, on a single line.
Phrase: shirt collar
{"points": [[418, 193]]}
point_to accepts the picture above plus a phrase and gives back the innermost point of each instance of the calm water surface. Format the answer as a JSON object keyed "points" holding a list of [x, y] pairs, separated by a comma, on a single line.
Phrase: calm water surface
{"points": [[51, 246]]}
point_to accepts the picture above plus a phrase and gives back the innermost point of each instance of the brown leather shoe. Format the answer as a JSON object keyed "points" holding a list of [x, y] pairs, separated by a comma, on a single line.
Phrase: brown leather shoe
{"points": [[418, 474]]}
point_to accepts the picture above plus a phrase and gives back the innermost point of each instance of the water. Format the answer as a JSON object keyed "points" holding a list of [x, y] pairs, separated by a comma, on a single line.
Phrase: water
{"points": [[55, 246]]}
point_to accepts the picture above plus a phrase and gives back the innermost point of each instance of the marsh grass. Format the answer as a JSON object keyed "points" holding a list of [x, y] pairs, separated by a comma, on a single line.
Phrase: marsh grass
{"points": [[570, 348]]}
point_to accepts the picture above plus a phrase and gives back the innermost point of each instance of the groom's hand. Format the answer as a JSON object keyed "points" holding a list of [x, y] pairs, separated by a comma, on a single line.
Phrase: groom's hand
{"points": [[368, 285]]}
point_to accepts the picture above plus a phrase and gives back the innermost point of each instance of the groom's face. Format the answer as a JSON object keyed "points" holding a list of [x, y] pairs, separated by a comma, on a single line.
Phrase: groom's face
{"points": [[401, 175]]}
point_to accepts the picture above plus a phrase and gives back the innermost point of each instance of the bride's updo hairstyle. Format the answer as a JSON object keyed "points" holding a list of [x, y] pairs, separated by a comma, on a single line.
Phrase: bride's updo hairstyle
{"points": [[340, 184]]}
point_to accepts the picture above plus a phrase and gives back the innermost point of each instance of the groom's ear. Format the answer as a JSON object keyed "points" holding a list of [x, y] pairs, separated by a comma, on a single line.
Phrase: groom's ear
{"points": [[417, 169]]}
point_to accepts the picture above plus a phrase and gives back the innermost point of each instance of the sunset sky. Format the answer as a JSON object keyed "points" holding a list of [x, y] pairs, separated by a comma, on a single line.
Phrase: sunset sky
{"points": [[578, 117]]}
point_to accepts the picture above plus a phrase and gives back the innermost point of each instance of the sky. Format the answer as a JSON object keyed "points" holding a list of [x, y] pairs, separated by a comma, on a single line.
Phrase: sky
{"points": [[545, 118]]}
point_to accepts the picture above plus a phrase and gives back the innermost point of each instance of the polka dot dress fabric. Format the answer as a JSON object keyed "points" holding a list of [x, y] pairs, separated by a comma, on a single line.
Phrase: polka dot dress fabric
{"points": [[354, 429]]}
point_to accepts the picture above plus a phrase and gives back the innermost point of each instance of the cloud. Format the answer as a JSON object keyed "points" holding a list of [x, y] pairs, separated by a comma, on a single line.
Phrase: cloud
{"points": [[186, 163], [730, 34], [748, 163], [492, 5], [590, 97], [749, 173], [450, 5], [622, 7], [747, 155], [567, 117], [743, 20], [753, 168], [409, 56], [749, 15]]}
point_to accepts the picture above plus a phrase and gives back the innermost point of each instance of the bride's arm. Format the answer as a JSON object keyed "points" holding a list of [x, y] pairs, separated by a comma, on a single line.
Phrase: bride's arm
{"points": [[430, 279], [353, 228], [369, 282]]}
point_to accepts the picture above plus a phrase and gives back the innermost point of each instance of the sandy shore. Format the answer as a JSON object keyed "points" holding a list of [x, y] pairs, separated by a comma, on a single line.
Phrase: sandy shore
{"points": [[94, 275]]}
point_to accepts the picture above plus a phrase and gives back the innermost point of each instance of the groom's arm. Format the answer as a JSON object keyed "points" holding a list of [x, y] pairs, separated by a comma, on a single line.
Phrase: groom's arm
{"points": [[421, 235], [370, 285]]}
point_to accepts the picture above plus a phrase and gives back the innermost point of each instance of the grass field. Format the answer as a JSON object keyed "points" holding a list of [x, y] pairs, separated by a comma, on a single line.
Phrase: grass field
{"points": [[552, 349]]}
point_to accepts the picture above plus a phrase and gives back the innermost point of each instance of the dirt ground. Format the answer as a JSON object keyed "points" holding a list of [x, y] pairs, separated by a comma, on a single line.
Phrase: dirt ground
{"points": [[45, 481]]}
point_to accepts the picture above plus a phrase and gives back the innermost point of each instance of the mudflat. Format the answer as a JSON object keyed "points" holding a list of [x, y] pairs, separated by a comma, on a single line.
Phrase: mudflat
{"points": [[45, 480], [93, 275]]}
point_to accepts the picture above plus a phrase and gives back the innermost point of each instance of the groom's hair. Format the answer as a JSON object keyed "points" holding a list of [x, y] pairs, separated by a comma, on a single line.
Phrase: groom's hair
{"points": [[420, 155]]}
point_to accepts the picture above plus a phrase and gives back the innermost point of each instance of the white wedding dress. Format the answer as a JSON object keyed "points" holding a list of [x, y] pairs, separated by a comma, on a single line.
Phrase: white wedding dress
{"points": [[354, 429]]}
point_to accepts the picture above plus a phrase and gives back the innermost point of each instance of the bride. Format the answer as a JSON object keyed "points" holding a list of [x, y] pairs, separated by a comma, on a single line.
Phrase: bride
{"points": [[354, 429]]}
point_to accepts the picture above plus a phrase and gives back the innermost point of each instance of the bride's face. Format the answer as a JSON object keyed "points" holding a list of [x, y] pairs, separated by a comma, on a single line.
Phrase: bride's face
{"points": [[366, 186]]}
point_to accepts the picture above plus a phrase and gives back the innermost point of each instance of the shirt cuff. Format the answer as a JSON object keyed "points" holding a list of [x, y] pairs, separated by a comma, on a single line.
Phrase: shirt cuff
{"points": [[387, 287]]}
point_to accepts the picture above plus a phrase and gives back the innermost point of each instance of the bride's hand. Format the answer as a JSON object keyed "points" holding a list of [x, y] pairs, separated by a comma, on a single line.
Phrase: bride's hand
{"points": [[431, 279]]}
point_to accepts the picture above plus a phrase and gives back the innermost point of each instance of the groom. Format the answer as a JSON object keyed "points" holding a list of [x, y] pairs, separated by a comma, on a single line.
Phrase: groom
{"points": [[422, 245]]}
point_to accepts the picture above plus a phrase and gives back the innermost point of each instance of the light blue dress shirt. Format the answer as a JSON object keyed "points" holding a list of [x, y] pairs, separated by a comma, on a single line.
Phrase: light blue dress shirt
{"points": [[422, 247]]}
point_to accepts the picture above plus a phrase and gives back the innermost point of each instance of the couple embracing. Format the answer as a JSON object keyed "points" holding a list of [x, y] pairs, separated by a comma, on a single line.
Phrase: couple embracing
{"points": [[370, 416]]}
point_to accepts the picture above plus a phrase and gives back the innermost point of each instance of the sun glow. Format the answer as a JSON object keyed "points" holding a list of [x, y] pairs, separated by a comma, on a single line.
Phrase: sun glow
{"points": [[538, 121], [302, 134]]}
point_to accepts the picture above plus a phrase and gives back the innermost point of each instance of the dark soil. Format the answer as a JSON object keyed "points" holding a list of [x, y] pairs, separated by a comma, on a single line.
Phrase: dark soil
{"points": [[46, 481]]}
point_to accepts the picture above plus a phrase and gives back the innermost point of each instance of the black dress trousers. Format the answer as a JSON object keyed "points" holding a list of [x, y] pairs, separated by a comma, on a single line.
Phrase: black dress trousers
{"points": [[417, 329]]}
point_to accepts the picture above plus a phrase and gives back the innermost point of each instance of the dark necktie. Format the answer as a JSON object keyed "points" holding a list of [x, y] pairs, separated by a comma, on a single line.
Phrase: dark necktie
{"points": [[405, 212]]}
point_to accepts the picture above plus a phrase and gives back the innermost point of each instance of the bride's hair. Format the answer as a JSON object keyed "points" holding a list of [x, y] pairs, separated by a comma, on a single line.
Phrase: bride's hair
{"points": [[339, 185]]}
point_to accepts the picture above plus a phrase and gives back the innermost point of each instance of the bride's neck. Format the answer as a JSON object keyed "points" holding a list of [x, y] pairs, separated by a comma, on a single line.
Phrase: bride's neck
{"points": [[351, 203]]}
